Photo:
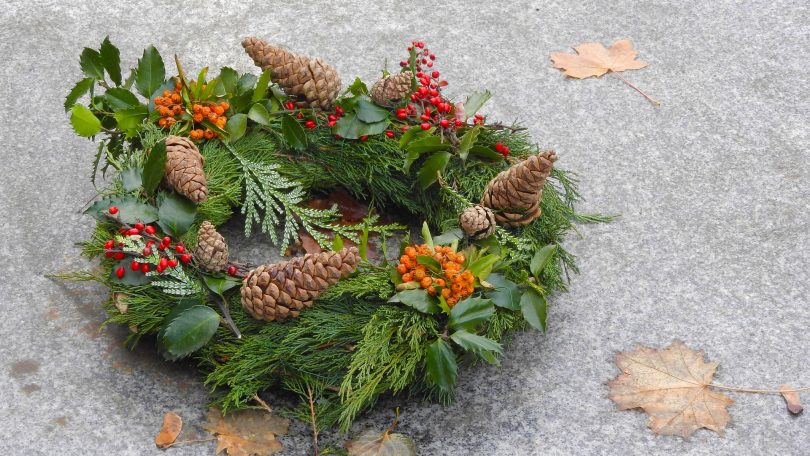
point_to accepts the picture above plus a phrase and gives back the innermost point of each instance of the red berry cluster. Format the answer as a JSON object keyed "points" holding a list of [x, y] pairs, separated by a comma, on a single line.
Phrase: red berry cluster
{"points": [[502, 149], [163, 246]]}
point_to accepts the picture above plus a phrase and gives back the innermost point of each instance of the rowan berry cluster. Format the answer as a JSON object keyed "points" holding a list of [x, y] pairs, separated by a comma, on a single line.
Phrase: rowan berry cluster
{"points": [[163, 247], [452, 283], [201, 116]]}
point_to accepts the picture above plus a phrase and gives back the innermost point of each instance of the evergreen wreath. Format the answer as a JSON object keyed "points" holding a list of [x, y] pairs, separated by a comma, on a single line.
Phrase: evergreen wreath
{"points": [[182, 156]]}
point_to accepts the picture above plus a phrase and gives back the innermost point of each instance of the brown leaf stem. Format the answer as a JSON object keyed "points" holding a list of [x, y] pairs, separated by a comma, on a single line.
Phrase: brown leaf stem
{"points": [[758, 391], [649, 98]]}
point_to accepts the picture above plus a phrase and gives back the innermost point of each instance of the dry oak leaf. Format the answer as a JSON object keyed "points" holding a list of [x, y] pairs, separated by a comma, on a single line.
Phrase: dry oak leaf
{"points": [[593, 59], [673, 386], [172, 425], [247, 432]]}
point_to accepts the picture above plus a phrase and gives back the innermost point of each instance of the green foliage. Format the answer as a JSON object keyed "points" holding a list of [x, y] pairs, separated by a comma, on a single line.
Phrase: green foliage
{"points": [[186, 329]]}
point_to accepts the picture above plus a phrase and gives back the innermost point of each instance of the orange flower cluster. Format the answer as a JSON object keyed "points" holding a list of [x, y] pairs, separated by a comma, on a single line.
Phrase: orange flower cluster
{"points": [[170, 107], [453, 284]]}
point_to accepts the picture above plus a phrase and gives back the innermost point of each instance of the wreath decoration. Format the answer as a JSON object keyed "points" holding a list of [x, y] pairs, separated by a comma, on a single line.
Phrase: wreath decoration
{"points": [[339, 325]]}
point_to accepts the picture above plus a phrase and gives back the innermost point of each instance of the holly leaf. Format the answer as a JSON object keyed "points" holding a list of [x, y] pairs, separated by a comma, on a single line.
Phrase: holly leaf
{"points": [[130, 210], [187, 332], [480, 345], [369, 112], [246, 432], [150, 73], [172, 425], [428, 173], [506, 293], [467, 141], [236, 127], [470, 313], [293, 132], [418, 299], [84, 122], [372, 443], [119, 98], [220, 284], [133, 278], [259, 114], [131, 178], [78, 91], [90, 63], [261, 86], [475, 102], [129, 120], [441, 365], [541, 259], [175, 213], [154, 168], [534, 308], [111, 60], [673, 386], [351, 127], [593, 59], [485, 153]]}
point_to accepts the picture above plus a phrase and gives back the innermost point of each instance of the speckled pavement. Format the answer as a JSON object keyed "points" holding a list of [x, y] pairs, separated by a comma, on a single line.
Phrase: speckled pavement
{"points": [[712, 246]]}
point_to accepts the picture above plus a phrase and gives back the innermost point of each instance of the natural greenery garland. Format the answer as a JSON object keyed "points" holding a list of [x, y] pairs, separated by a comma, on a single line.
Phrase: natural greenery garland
{"points": [[264, 157]]}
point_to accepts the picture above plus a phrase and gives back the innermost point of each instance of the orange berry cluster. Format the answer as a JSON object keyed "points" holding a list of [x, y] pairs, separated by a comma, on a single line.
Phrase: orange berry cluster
{"points": [[453, 284], [170, 107], [214, 113]]}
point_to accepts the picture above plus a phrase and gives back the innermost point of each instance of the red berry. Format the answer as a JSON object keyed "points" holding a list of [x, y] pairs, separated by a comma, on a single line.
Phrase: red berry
{"points": [[299, 115], [430, 64], [444, 123], [331, 123], [147, 251], [499, 147], [434, 75], [232, 270], [145, 268], [389, 133], [150, 243], [425, 126], [135, 266], [309, 124], [179, 249], [432, 56], [108, 254], [420, 44], [159, 269], [119, 256], [339, 110], [290, 105], [402, 116], [113, 210], [167, 240], [185, 258], [363, 138], [139, 226], [120, 272], [109, 244], [458, 123], [424, 117], [404, 128], [173, 263], [132, 231], [163, 263], [161, 247], [149, 229], [332, 118], [403, 63], [505, 151]]}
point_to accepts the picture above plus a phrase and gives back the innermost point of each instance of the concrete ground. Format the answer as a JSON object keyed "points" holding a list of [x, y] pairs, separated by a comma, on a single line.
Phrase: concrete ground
{"points": [[712, 247]]}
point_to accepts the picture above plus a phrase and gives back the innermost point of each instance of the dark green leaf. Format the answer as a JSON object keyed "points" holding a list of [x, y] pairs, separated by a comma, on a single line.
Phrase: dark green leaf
{"points": [[188, 332], [427, 174], [258, 113], [230, 79], [78, 91], [542, 258], [151, 72], [506, 293], [358, 87], [111, 60], [246, 84], [483, 266], [220, 284], [411, 134], [468, 141], [351, 127], [261, 87], [470, 313], [448, 236], [130, 210], [133, 278], [369, 112], [418, 299], [154, 168], [293, 132], [175, 213], [119, 98], [84, 122], [429, 144], [485, 153], [130, 79], [478, 344], [441, 365], [236, 127], [534, 307], [90, 62], [475, 102], [130, 119], [430, 263], [131, 179]]}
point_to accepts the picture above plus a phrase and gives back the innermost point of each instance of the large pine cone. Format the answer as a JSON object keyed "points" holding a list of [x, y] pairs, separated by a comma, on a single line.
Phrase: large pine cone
{"points": [[315, 83], [211, 253], [278, 291], [391, 89], [514, 194], [184, 169], [477, 221]]}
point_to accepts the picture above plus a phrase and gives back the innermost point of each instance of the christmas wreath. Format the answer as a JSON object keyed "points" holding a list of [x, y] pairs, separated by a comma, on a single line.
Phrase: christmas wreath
{"points": [[342, 324]]}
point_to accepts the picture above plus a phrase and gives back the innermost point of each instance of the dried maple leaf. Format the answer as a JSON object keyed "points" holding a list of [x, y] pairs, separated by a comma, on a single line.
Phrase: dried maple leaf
{"points": [[172, 425], [593, 59], [792, 399], [673, 386], [247, 432]]}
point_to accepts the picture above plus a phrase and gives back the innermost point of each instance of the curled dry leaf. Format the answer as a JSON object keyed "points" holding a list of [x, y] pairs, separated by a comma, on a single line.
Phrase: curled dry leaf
{"points": [[593, 59], [172, 425], [372, 443], [247, 432], [792, 399], [673, 386]]}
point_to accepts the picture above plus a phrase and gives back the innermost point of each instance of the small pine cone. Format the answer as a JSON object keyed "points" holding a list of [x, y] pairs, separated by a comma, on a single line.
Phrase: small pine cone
{"points": [[391, 89], [184, 169], [312, 80], [211, 253], [514, 194], [279, 291], [477, 221]]}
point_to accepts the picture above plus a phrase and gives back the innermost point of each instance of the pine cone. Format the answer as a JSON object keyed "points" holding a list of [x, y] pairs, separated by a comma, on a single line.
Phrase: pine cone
{"points": [[278, 291], [477, 221], [391, 89], [184, 169], [314, 82], [211, 253], [514, 194]]}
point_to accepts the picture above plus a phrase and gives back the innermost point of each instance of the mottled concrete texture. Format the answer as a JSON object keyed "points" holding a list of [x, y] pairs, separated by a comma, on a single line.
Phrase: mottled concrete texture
{"points": [[712, 247]]}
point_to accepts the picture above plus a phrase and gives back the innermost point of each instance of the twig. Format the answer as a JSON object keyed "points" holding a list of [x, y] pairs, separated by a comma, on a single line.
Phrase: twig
{"points": [[649, 98], [498, 126], [313, 420], [262, 403], [758, 391]]}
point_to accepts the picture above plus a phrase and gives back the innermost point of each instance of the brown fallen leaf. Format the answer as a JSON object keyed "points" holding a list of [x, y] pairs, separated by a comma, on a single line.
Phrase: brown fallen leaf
{"points": [[792, 399], [672, 386], [387, 443], [246, 432], [172, 425], [594, 60]]}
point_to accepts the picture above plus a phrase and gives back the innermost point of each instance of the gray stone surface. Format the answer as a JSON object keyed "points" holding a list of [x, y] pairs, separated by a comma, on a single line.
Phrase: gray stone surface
{"points": [[711, 248]]}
